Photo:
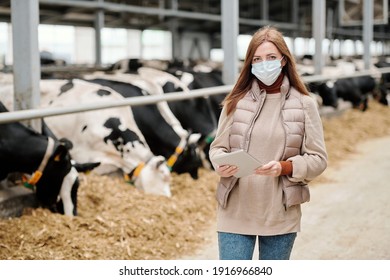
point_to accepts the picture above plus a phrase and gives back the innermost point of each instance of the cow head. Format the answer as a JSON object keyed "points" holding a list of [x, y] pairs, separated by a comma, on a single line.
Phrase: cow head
{"points": [[67, 199], [60, 194], [189, 160], [327, 92], [57, 168], [26, 151], [154, 177], [66, 202]]}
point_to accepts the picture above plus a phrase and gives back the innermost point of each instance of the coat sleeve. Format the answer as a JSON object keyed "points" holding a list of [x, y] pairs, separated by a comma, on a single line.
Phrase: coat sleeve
{"points": [[220, 143], [313, 159]]}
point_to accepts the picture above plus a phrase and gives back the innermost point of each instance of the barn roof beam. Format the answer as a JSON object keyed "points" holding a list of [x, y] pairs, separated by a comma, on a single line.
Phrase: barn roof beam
{"points": [[120, 8], [112, 7], [52, 17]]}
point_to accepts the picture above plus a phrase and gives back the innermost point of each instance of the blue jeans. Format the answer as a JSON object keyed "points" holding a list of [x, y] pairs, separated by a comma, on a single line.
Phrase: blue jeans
{"points": [[234, 246]]}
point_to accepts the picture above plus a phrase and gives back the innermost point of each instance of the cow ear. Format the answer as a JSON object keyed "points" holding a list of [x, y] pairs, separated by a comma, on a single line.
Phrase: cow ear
{"points": [[67, 143], [46, 130], [60, 152], [160, 160]]}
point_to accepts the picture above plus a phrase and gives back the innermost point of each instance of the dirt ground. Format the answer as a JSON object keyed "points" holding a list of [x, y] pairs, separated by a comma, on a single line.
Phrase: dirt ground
{"points": [[117, 221]]}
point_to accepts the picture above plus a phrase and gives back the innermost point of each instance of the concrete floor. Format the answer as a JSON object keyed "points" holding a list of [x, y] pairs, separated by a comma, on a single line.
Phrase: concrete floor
{"points": [[346, 219]]}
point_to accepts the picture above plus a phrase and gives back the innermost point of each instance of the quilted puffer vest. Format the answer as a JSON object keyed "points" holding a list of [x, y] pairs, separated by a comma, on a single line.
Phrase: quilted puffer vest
{"points": [[293, 117]]}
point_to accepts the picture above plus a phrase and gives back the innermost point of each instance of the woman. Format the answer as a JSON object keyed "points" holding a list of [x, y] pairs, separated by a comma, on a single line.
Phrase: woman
{"points": [[270, 114]]}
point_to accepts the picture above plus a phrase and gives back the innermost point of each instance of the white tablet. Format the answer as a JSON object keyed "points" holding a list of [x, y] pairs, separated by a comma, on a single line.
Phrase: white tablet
{"points": [[245, 162]]}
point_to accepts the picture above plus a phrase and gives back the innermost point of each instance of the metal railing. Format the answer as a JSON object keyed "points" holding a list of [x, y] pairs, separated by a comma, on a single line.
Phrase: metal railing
{"points": [[152, 99]]}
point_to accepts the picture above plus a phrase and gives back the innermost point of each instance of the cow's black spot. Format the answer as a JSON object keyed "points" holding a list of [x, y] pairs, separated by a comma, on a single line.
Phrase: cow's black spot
{"points": [[103, 92], [170, 87], [84, 128], [68, 86], [119, 137]]}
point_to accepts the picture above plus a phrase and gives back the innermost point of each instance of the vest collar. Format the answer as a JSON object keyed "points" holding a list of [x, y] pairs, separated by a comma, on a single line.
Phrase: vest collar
{"points": [[256, 91], [285, 87]]}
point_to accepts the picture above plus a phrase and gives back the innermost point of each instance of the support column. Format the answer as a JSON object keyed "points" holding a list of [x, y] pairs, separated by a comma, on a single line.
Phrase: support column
{"points": [[295, 20], [264, 10], [176, 36], [230, 26], [176, 39], [26, 60], [318, 34], [368, 25], [99, 25]]}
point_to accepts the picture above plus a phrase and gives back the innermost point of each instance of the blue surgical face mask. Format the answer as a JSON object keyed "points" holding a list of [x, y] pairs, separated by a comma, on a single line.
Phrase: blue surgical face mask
{"points": [[267, 71]]}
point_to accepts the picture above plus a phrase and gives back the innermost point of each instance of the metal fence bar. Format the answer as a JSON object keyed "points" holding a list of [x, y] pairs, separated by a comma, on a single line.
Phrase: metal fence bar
{"points": [[322, 78], [152, 99], [130, 101]]}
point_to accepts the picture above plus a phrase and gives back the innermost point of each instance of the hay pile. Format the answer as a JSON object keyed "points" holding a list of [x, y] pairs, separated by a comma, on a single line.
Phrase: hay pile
{"points": [[116, 221]]}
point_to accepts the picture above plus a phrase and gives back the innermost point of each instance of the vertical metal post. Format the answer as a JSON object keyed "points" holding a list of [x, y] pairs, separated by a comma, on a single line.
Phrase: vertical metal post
{"points": [[99, 25], [318, 17], [368, 23], [295, 20], [176, 38], [230, 26], [264, 10], [26, 60]]}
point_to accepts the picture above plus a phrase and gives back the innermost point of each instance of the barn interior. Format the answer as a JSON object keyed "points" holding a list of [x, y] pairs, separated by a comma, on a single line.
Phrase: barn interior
{"points": [[103, 229], [344, 19]]}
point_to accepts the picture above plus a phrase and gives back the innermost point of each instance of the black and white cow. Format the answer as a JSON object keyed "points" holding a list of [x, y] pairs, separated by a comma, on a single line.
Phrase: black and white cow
{"points": [[195, 114], [195, 76], [326, 91], [180, 150], [109, 136], [53, 176], [355, 90], [384, 84], [198, 77]]}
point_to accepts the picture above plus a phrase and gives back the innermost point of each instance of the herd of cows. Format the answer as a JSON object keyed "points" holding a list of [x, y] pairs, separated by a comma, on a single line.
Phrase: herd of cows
{"points": [[145, 143]]}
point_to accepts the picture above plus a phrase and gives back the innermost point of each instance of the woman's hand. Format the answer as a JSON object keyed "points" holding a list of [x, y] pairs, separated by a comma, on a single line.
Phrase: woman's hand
{"points": [[227, 170], [272, 168]]}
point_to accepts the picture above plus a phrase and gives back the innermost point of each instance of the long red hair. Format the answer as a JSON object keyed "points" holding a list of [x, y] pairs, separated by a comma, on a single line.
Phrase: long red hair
{"points": [[245, 79]]}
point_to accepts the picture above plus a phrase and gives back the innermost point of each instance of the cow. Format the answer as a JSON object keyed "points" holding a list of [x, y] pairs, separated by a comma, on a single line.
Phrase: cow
{"points": [[198, 77], [46, 162], [109, 136], [195, 114], [199, 115], [191, 77], [384, 84], [355, 90], [326, 91], [189, 114], [131, 65], [181, 151]]}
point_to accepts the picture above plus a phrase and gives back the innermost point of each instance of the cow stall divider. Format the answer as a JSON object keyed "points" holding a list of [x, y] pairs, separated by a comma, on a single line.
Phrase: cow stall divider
{"points": [[144, 100]]}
